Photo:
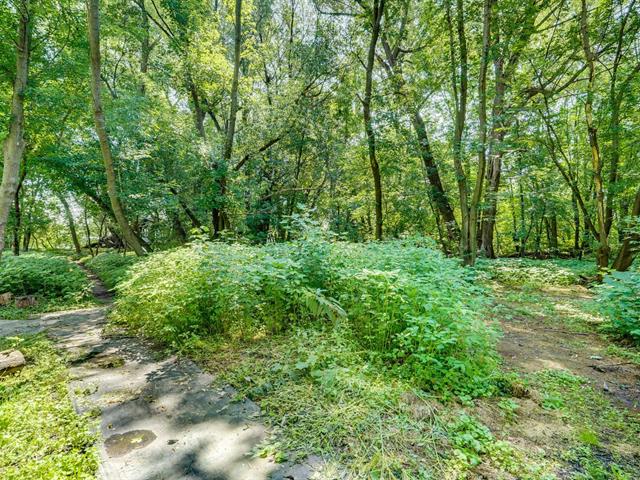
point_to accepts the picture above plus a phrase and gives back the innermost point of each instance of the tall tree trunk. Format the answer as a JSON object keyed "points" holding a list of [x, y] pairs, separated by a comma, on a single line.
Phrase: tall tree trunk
{"points": [[17, 212], [469, 257], [435, 186], [495, 165], [93, 20], [88, 231], [145, 47], [551, 223], [596, 160], [436, 189], [631, 241], [460, 88], [615, 101], [14, 143], [71, 223], [376, 19], [576, 225], [218, 216]]}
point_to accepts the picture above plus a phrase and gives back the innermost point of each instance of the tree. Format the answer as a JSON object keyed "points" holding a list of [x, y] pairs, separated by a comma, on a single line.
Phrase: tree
{"points": [[93, 21], [14, 144]]}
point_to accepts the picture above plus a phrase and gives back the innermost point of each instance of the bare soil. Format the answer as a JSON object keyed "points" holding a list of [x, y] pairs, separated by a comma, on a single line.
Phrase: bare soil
{"points": [[531, 344]]}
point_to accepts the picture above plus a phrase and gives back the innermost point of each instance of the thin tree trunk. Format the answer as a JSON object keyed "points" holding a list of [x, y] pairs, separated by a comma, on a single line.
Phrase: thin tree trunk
{"points": [[596, 159], [576, 225], [460, 93], [435, 186], [469, 257], [495, 164], [218, 216], [145, 47], [93, 20], [71, 223], [624, 259], [18, 213], [376, 20], [436, 189], [88, 232], [615, 100], [14, 143]]}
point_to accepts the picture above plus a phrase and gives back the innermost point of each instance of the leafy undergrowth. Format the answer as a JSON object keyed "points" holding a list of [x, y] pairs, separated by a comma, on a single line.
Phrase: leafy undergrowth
{"points": [[375, 358], [41, 436], [619, 302], [321, 396], [56, 283], [525, 272], [110, 267], [408, 307]]}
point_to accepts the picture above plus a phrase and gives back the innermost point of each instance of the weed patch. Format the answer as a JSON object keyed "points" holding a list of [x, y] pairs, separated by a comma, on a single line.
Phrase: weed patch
{"points": [[41, 436], [56, 283]]}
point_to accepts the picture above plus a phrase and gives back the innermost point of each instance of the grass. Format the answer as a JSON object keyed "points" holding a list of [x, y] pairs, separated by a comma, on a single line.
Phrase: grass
{"points": [[41, 436], [320, 396]]}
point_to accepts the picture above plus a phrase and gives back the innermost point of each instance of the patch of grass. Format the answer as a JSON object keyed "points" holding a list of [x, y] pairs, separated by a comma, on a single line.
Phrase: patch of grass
{"points": [[110, 267], [602, 442], [630, 353], [41, 436], [525, 272], [322, 395], [56, 283]]}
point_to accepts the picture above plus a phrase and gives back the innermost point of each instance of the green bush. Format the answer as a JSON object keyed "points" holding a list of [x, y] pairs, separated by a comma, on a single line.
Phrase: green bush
{"points": [[619, 300], [417, 309], [408, 306], [525, 272], [49, 277], [111, 267]]}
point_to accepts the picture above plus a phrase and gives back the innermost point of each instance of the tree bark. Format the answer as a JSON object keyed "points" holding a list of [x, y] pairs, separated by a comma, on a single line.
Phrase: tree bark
{"points": [[629, 246], [460, 93], [469, 257], [93, 20], [14, 143], [218, 216], [18, 212], [377, 13], [436, 189], [592, 131], [435, 186], [576, 225], [495, 165]]}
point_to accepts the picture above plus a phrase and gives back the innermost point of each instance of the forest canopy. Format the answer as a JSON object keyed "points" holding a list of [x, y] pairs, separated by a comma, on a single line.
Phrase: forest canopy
{"points": [[497, 127]]}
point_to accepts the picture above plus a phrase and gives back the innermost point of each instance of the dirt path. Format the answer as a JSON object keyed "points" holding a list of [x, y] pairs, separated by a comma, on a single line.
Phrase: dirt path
{"points": [[159, 418], [536, 342]]}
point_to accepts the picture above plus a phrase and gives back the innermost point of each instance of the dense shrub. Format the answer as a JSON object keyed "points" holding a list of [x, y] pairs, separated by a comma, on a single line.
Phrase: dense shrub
{"points": [[619, 300], [416, 308], [536, 273], [408, 306], [111, 267], [42, 275]]}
